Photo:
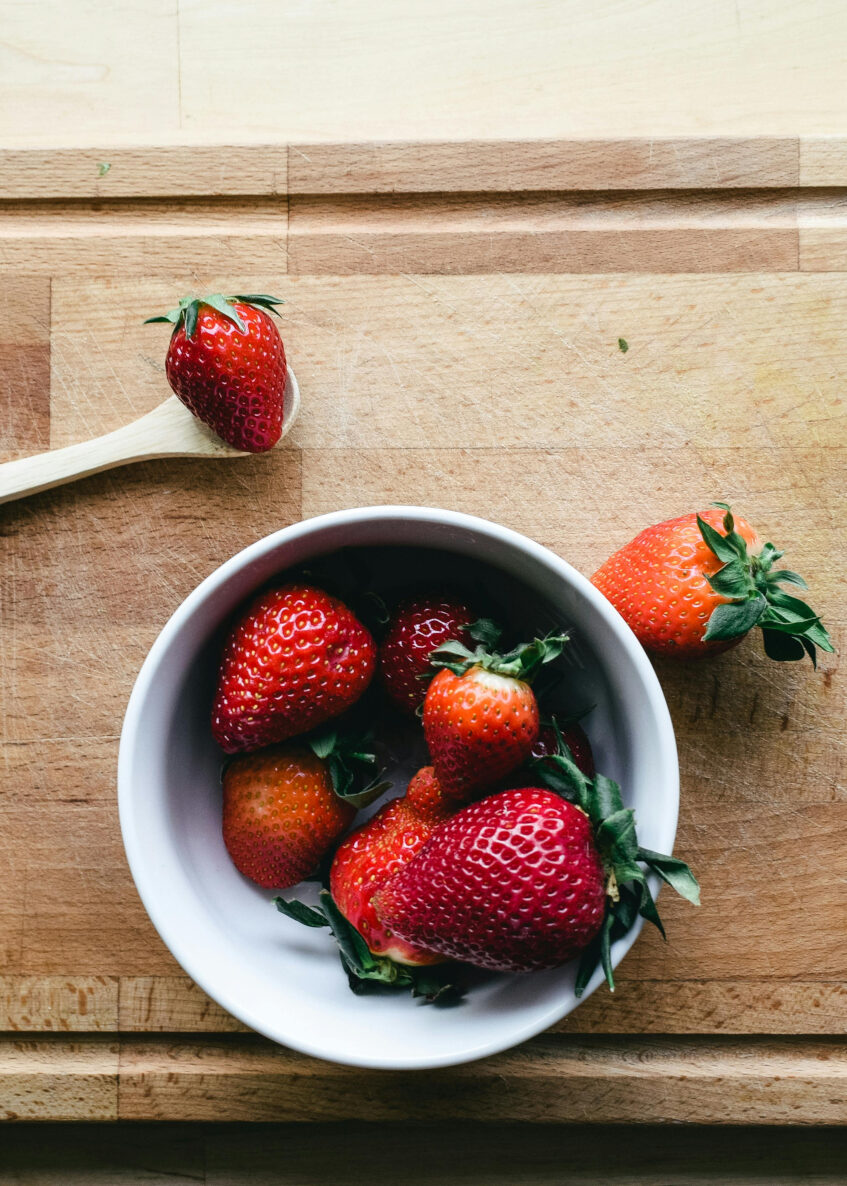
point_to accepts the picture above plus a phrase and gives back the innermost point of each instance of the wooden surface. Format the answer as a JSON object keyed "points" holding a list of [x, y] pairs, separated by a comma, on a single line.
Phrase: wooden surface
{"points": [[456, 349], [147, 70]]}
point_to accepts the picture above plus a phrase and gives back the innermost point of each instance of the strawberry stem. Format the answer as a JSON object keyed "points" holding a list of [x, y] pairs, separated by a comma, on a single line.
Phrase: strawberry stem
{"points": [[523, 662], [790, 628]]}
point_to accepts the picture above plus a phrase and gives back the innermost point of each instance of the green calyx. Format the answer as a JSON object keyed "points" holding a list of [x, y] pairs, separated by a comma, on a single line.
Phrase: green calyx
{"points": [[627, 890], [187, 311], [522, 662], [352, 767], [790, 628], [367, 972]]}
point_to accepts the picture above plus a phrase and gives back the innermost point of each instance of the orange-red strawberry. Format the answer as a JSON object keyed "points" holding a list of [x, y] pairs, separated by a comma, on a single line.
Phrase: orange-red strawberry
{"points": [[688, 589], [480, 715], [281, 814], [417, 627], [378, 850], [296, 658], [226, 362]]}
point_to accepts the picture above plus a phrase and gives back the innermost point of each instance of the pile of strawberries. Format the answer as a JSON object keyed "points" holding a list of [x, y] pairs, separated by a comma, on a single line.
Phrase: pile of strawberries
{"points": [[507, 852]]}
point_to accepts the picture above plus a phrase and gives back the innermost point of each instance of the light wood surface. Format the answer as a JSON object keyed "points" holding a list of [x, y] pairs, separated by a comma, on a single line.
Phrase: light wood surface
{"points": [[145, 70], [459, 350]]}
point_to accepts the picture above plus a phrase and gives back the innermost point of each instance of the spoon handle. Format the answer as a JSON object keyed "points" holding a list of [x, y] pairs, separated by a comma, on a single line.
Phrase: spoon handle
{"points": [[169, 430]]}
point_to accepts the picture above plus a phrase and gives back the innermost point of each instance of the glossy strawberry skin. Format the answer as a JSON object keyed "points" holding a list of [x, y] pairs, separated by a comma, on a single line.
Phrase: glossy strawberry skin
{"points": [[575, 738], [280, 814], [234, 382], [417, 627], [295, 659], [512, 883], [657, 584], [379, 849], [479, 727]]}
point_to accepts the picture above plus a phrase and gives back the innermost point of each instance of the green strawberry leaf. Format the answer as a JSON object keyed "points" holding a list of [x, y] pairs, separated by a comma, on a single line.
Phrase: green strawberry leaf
{"points": [[722, 546], [786, 577], [588, 962], [486, 632], [221, 305], [190, 315], [736, 618], [323, 744], [676, 873], [437, 984], [648, 910], [267, 303], [300, 912], [732, 580], [784, 648]]}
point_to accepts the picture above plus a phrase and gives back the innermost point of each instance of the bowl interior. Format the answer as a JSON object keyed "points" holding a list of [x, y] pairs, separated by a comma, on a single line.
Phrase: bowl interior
{"points": [[284, 979]]}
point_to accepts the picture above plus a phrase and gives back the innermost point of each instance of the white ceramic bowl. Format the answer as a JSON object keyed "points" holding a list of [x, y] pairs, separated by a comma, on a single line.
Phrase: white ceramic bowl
{"points": [[285, 980]]}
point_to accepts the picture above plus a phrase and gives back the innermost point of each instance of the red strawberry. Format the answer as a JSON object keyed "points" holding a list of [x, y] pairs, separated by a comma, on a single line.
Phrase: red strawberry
{"points": [[528, 878], [379, 849], [281, 814], [574, 737], [417, 627], [511, 883], [226, 362], [480, 715], [688, 590], [296, 658]]}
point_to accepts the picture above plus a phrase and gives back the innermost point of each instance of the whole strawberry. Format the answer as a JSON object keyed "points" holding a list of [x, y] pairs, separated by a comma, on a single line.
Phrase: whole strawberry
{"points": [[529, 878], [378, 850], [226, 362], [512, 883], [281, 814], [296, 658], [417, 627], [688, 590], [480, 715]]}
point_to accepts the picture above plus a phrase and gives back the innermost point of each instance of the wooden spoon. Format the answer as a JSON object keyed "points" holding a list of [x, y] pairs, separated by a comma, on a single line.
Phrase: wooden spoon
{"points": [[168, 431]]}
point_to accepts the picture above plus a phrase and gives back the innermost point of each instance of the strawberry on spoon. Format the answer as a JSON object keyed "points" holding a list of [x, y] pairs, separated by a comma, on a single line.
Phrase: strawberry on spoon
{"points": [[226, 362]]}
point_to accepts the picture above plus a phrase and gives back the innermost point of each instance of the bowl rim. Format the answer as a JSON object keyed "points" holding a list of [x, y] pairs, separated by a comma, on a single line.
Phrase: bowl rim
{"points": [[145, 879]]}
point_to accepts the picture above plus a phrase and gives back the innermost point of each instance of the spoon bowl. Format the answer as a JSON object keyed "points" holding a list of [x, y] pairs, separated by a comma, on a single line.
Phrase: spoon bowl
{"points": [[170, 430]]}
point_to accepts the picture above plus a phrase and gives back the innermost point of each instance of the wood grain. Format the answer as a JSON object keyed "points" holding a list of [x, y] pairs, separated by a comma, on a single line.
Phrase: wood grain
{"points": [[25, 365], [548, 1080], [500, 393]]}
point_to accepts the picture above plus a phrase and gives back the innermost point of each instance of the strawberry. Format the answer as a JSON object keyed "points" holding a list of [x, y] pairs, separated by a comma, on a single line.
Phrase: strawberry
{"points": [[296, 658], [529, 878], [480, 715], [377, 850], [688, 590], [226, 362], [573, 736], [416, 628], [285, 807]]}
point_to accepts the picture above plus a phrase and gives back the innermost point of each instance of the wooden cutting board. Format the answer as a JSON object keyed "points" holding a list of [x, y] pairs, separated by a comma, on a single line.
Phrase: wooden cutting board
{"points": [[453, 315]]}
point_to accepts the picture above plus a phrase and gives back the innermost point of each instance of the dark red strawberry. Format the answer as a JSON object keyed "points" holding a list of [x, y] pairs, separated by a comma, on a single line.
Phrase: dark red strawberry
{"points": [[226, 362], [688, 590], [281, 814], [296, 658], [574, 737], [379, 849], [480, 714], [417, 627]]}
